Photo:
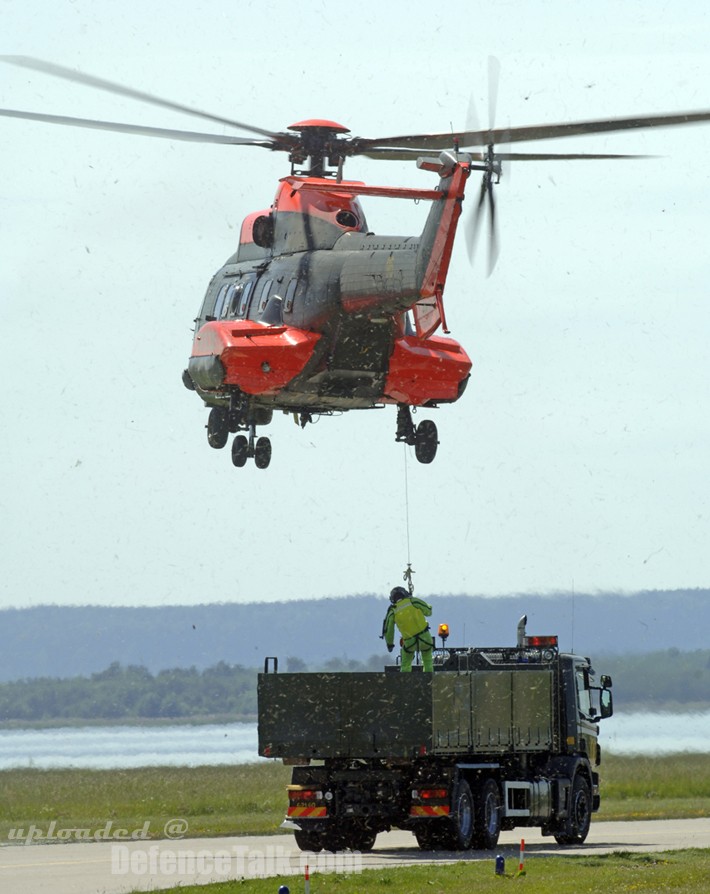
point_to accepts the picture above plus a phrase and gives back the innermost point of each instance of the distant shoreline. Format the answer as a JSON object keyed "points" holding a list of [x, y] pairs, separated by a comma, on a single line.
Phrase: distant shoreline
{"points": [[221, 719], [74, 723]]}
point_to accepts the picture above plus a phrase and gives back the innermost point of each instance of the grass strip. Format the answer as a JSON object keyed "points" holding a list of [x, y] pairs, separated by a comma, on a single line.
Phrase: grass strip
{"points": [[250, 799], [682, 872]]}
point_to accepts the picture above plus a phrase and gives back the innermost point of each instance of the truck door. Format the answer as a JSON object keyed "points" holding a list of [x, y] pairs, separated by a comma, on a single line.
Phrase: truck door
{"points": [[588, 730]]}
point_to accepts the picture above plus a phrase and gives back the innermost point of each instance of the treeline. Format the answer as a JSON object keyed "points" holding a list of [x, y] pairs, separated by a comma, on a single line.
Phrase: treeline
{"points": [[132, 693], [655, 680], [659, 679]]}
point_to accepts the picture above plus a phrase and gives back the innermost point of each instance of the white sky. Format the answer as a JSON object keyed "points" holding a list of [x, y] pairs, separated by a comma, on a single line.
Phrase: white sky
{"points": [[578, 455]]}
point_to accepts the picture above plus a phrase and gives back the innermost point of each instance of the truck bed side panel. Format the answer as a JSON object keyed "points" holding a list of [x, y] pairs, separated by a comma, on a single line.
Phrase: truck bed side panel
{"points": [[300, 715], [512, 710], [533, 711], [320, 715], [451, 712]]}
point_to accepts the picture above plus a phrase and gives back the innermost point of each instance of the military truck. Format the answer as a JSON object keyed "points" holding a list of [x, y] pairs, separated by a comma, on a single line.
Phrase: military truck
{"points": [[494, 738]]}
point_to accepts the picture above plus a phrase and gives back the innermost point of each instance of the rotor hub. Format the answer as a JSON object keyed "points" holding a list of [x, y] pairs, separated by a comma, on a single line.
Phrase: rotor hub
{"points": [[319, 143]]}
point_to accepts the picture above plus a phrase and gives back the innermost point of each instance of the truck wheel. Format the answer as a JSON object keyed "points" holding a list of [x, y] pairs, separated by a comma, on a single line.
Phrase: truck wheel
{"points": [[362, 839], [575, 828], [487, 816], [460, 832], [335, 840], [308, 841], [426, 838]]}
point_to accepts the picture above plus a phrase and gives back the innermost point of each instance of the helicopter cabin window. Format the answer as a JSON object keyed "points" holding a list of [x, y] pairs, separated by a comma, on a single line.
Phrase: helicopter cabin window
{"points": [[244, 297], [220, 302], [233, 300], [289, 296], [264, 294], [229, 301]]}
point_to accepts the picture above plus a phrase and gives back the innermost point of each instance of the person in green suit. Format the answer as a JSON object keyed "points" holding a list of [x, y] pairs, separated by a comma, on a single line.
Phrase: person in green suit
{"points": [[408, 614]]}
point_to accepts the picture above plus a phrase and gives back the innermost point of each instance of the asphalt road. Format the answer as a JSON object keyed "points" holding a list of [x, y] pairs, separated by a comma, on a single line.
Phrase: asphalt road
{"points": [[118, 867]]}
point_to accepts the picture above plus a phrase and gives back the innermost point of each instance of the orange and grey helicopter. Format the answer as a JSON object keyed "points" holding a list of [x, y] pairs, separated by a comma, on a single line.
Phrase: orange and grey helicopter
{"points": [[314, 314]]}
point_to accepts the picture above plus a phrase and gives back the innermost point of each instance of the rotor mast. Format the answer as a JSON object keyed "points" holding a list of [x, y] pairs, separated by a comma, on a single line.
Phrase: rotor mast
{"points": [[318, 144]]}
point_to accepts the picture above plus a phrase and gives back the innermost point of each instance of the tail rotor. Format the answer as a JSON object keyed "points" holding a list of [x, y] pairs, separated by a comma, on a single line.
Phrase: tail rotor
{"points": [[491, 167]]}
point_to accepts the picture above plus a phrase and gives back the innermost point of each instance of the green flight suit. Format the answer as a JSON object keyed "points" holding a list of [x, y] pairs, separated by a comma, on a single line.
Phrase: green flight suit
{"points": [[409, 617]]}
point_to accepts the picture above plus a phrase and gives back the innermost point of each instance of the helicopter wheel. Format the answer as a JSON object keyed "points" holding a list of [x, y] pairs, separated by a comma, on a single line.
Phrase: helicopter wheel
{"points": [[426, 441], [217, 428], [240, 451], [262, 453]]}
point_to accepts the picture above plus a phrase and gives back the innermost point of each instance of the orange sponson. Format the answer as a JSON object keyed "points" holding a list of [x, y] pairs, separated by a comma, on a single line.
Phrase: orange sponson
{"points": [[258, 358], [428, 369]]}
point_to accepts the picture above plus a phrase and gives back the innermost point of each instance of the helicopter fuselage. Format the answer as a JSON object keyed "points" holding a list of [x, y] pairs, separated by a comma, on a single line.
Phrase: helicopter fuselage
{"points": [[315, 314]]}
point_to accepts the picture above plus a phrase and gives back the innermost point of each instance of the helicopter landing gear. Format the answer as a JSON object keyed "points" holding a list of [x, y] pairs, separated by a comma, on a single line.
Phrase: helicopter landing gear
{"points": [[262, 453], [423, 437], [425, 441], [217, 427], [240, 451], [240, 416], [243, 449]]}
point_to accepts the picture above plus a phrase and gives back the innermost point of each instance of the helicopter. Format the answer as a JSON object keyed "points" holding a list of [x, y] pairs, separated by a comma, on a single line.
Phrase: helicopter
{"points": [[314, 314]]}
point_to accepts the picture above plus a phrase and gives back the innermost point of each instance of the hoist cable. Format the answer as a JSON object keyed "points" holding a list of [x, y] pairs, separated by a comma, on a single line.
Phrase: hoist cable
{"points": [[407, 576], [406, 505]]}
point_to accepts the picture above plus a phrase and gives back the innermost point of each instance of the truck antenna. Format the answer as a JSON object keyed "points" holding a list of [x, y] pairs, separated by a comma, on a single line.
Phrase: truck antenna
{"points": [[573, 595]]}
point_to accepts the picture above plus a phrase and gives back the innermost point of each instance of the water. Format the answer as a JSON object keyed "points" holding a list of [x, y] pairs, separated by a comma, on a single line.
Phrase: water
{"points": [[97, 747], [656, 733]]}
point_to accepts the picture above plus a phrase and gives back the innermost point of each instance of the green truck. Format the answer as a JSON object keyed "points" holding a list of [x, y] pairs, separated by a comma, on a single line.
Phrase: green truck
{"points": [[493, 739]]}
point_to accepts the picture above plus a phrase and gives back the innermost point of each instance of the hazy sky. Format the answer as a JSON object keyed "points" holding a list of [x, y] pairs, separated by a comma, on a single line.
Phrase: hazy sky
{"points": [[578, 455]]}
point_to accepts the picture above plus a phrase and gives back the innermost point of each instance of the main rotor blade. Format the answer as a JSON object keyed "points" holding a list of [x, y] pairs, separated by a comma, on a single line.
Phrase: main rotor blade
{"points": [[560, 156], [387, 153], [532, 132], [78, 77], [493, 249], [139, 129], [404, 153], [493, 84]]}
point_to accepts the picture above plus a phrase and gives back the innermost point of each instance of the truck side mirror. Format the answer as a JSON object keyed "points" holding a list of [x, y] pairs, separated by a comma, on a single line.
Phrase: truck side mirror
{"points": [[605, 681], [606, 703]]}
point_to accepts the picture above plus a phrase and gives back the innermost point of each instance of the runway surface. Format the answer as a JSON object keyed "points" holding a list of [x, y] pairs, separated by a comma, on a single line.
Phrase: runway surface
{"points": [[118, 867]]}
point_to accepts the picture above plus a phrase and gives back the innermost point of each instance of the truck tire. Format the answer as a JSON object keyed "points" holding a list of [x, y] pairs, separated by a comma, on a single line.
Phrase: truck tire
{"points": [[575, 827], [362, 839], [308, 841], [424, 839], [487, 815], [459, 832]]}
